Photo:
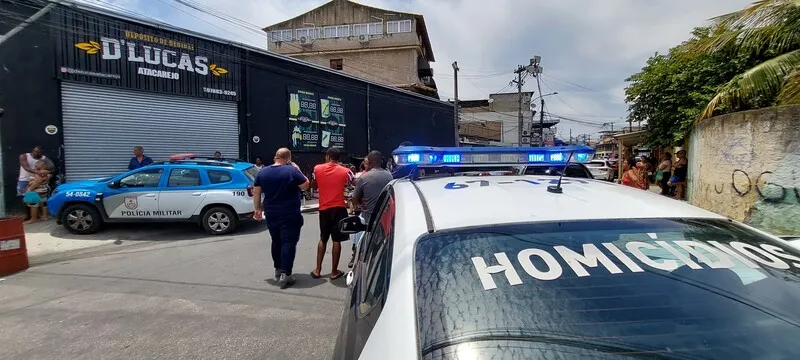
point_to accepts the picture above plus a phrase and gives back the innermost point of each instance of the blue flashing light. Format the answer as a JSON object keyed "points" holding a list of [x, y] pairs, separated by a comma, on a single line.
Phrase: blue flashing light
{"points": [[425, 156], [539, 158], [451, 158]]}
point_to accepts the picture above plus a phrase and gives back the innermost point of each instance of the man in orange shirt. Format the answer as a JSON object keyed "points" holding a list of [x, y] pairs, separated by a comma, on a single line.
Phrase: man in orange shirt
{"points": [[332, 179]]}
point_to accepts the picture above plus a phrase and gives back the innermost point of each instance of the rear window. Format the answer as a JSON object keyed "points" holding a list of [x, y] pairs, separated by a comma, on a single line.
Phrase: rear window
{"points": [[596, 164], [251, 173], [219, 176], [611, 289]]}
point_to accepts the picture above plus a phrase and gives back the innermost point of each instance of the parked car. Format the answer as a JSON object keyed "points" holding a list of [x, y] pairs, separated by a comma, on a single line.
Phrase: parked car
{"points": [[601, 169], [216, 193]]}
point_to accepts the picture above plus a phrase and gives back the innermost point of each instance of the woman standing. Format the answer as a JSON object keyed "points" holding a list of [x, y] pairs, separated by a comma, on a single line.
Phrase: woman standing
{"points": [[679, 173], [630, 175]]}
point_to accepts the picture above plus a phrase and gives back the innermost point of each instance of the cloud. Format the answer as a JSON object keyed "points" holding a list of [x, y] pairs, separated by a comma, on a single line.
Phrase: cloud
{"points": [[588, 48]]}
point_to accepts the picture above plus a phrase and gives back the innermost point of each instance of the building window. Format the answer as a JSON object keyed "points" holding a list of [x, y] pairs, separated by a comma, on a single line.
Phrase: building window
{"points": [[402, 26], [360, 29], [376, 29], [368, 29], [308, 33], [281, 35], [337, 64], [336, 31]]}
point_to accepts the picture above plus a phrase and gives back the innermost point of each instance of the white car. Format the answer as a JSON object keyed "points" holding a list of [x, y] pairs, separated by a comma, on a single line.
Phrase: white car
{"points": [[601, 169], [539, 267]]}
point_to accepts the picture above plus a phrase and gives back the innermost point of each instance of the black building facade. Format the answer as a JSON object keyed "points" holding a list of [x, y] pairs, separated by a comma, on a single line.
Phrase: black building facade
{"points": [[88, 86]]}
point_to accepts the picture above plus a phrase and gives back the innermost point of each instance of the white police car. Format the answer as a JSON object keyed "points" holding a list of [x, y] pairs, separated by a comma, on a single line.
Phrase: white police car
{"points": [[522, 267], [217, 193]]}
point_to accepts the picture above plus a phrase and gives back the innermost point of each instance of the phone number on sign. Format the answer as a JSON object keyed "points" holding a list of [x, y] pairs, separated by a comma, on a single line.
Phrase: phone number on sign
{"points": [[219, 92]]}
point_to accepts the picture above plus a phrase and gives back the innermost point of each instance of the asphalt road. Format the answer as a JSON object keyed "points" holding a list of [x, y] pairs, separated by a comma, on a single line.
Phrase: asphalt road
{"points": [[179, 295]]}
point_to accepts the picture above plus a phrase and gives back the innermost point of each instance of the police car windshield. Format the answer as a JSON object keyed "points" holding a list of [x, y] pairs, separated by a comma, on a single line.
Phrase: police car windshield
{"points": [[607, 289]]}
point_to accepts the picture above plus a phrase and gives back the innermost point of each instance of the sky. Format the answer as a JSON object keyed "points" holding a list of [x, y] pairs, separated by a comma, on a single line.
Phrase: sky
{"points": [[588, 47]]}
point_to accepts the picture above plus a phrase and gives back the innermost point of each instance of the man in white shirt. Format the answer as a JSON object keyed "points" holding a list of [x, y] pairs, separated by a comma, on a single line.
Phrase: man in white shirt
{"points": [[27, 166]]}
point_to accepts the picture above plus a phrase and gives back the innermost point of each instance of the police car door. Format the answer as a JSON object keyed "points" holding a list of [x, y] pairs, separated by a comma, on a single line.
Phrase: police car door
{"points": [[182, 194], [371, 283], [135, 195]]}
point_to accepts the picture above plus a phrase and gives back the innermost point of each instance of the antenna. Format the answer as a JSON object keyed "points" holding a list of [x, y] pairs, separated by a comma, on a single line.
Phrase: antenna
{"points": [[557, 188]]}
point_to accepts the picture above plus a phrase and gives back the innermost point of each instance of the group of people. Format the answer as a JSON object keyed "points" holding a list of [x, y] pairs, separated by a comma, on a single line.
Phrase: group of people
{"points": [[277, 198], [139, 159], [34, 183], [670, 176]]}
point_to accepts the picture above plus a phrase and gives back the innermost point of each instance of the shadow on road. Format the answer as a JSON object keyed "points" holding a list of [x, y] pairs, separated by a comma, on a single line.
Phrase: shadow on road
{"points": [[140, 231], [303, 281]]}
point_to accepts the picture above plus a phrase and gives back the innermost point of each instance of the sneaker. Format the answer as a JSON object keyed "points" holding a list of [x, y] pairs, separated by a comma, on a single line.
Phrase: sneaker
{"points": [[286, 280], [277, 274]]}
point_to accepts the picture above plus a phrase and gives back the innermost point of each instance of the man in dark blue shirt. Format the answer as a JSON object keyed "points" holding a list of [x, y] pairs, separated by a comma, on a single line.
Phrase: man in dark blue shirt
{"points": [[139, 159], [280, 185]]}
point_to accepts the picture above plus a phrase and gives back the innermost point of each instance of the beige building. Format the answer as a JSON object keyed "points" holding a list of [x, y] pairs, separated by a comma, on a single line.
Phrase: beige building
{"points": [[380, 45]]}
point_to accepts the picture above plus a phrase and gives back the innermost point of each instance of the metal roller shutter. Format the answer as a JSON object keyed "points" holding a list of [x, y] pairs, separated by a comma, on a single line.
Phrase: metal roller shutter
{"points": [[102, 125]]}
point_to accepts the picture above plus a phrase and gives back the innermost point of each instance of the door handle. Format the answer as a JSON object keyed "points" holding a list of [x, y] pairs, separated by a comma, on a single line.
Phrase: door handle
{"points": [[150, 195], [197, 194]]}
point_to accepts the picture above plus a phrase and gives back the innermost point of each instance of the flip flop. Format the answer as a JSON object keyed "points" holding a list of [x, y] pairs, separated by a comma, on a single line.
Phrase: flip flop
{"points": [[337, 275], [314, 276]]}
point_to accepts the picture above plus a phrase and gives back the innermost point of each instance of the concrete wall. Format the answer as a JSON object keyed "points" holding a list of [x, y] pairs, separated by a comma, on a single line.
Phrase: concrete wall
{"points": [[389, 66], [747, 166]]}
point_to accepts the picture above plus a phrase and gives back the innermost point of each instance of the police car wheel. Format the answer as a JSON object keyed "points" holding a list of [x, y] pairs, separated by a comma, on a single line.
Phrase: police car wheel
{"points": [[219, 221], [81, 219]]}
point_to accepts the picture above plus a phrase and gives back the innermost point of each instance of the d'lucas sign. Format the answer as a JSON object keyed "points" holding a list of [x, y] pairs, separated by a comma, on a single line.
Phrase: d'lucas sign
{"points": [[136, 56]]}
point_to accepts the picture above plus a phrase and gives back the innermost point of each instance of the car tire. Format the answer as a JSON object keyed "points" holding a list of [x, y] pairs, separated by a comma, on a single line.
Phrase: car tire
{"points": [[81, 219], [219, 220]]}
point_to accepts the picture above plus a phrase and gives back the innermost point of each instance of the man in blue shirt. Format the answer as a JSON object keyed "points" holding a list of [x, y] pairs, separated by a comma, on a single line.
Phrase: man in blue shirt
{"points": [[139, 159], [280, 184]]}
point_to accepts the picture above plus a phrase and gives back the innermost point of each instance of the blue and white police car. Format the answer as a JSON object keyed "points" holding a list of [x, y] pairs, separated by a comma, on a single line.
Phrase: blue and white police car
{"points": [[216, 193], [454, 266]]}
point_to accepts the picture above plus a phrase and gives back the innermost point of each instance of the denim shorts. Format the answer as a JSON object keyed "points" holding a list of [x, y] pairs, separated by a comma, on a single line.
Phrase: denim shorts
{"points": [[22, 187]]}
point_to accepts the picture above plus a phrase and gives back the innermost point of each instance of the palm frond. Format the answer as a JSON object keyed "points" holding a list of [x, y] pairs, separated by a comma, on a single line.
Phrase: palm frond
{"points": [[763, 80], [790, 93], [760, 13]]}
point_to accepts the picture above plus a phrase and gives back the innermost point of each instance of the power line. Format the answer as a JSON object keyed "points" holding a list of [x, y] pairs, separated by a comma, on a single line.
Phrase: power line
{"points": [[585, 88]]}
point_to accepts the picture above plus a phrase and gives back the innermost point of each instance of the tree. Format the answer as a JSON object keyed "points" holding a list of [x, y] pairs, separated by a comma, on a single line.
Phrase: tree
{"points": [[672, 90], [769, 30]]}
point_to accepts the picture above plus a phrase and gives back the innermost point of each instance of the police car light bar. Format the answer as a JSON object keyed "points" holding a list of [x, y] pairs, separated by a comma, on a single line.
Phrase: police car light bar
{"points": [[425, 156]]}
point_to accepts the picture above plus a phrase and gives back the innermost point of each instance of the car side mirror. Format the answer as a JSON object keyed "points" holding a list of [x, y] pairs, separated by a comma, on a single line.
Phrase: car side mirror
{"points": [[351, 225], [113, 184]]}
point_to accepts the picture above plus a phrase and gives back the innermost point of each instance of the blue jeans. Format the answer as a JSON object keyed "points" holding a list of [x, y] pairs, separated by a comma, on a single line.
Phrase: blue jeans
{"points": [[285, 234]]}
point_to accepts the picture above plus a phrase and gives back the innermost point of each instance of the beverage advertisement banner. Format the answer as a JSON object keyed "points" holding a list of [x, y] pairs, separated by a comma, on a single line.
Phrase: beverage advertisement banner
{"points": [[303, 120], [332, 122]]}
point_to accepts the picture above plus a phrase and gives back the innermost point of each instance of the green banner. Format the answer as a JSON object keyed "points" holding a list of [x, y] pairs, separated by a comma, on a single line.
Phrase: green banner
{"points": [[332, 122], [303, 120]]}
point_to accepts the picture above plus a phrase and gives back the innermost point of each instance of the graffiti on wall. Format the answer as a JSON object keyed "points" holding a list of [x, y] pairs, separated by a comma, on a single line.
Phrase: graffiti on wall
{"points": [[743, 184]]}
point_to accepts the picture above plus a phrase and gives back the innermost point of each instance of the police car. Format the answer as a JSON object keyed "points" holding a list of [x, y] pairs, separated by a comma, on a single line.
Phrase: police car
{"points": [[543, 267], [216, 193]]}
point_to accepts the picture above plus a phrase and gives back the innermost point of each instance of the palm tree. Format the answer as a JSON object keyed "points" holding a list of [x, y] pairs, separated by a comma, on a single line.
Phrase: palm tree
{"points": [[769, 29]]}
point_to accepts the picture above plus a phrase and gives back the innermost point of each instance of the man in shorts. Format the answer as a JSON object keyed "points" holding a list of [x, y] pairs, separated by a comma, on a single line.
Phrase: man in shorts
{"points": [[332, 179]]}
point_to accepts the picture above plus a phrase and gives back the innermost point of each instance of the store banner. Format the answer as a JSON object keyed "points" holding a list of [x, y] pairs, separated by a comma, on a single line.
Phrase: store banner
{"points": [[303, 120], [99, 49], [332, 123]]}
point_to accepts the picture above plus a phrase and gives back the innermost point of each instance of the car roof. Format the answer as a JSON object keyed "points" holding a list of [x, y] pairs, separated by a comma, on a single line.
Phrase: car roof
{"points": [[208, 164], [524, 198]]}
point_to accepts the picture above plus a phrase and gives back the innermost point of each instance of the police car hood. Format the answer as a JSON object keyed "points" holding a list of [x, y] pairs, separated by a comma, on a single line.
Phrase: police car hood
{"points": [[81, 184]]}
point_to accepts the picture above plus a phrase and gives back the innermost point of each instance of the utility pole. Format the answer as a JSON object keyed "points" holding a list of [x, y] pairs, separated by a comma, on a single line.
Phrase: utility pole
{"points": [[456, 117], [570, 136], [535, 69], [520, 126]]}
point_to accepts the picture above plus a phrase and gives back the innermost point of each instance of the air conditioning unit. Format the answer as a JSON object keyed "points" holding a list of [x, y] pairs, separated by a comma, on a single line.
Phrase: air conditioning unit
{"points": [[304, 40], [363, 38], [526, 133]]}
